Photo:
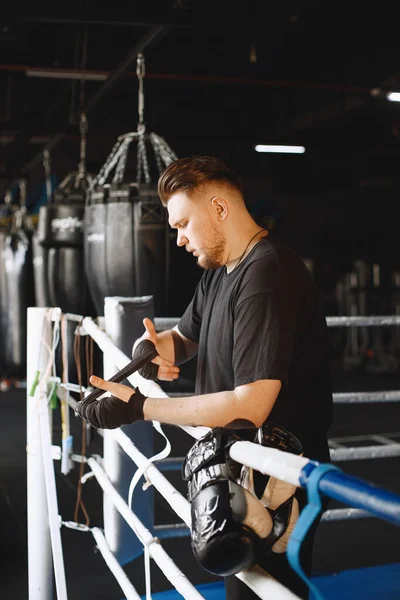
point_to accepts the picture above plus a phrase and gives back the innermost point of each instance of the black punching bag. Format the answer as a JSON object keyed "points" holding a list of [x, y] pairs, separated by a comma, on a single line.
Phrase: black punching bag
{"points": [[3, 302], [126, 231], [59, 261], [4, 227], [16, 280], [95, 245]]}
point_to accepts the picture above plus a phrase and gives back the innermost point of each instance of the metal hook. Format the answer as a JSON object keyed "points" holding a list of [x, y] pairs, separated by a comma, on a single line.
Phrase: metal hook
{"points": [[140, 72], [83, 127], [22, 195], [140, 66], [46, 164]]}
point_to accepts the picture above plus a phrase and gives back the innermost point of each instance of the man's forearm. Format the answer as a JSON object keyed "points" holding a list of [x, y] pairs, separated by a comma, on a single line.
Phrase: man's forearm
{"points": [[220, 409], [177, 349]]}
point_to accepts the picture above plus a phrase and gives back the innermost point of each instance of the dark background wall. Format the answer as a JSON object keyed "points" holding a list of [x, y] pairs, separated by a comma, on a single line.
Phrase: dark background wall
{"points": [[220, 78]]}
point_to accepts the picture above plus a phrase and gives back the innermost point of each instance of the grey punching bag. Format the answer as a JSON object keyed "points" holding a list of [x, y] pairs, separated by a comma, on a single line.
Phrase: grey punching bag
{"points": [[17, 294], [5, 223], [40, 253]]}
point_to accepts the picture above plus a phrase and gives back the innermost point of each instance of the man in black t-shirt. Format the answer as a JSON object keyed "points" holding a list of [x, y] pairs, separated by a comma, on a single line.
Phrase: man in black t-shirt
{"points": [[255, 322], [263, 321]]}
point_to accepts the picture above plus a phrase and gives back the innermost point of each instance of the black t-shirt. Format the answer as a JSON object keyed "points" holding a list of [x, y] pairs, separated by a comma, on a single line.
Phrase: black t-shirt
{"points": [[264, 320]]}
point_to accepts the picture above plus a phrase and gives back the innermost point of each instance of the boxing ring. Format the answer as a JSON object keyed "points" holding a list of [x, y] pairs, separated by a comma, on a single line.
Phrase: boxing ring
{"points": [[45, 551]]}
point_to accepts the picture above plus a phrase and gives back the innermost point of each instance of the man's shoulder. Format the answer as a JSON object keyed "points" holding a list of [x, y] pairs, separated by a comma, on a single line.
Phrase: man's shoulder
{"points": [[275, 245], [276, 266], [276, 250]]}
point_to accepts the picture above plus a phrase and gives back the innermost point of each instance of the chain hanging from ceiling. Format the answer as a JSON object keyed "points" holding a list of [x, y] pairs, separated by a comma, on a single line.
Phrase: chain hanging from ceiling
{"points": [[163, 153], [127, 236]]}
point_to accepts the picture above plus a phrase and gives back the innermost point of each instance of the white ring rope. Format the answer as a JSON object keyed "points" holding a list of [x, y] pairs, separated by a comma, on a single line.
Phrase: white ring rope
{"points": [[114, 566], [171, 571], [360, 321]]}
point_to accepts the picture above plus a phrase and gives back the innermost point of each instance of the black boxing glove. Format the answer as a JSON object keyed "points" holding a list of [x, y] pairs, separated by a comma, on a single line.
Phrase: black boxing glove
{"points": [[227, 521], [236, 520], [111, 412], [149, 371]]}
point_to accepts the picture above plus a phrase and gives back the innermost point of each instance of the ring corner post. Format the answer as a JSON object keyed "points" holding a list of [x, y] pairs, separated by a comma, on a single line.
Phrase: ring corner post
{"points": [[40, 564]]}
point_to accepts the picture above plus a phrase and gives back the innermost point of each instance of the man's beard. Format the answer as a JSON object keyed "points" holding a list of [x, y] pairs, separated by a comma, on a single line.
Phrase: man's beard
{"points": [[213, 257]]}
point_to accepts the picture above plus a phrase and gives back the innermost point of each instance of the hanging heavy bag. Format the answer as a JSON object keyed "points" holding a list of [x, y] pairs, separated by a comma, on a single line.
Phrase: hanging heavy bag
{"points": [[40, 253], [3, 302], [95, 218], [126, 228], [60, 234], [5, 221], [18, 294], [132, 228], [41, 286], [60, 241]]}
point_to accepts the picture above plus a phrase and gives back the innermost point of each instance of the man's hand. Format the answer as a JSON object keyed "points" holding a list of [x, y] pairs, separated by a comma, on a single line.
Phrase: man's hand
{"points": [[167, 371], [121, 391], [123, 407]]}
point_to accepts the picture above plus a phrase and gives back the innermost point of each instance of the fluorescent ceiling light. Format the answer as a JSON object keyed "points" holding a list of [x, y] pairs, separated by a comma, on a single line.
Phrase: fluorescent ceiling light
{"points": [[393, 96], [280, 149]]}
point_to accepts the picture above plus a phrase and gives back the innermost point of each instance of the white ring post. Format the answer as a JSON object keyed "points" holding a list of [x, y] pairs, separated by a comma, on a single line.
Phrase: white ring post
{"points": [[51, 492], [40, 566]]}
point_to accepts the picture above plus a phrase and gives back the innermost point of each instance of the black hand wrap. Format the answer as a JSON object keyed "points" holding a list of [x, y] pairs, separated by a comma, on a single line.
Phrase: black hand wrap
{"points": [[149, 371], [111, 412]]}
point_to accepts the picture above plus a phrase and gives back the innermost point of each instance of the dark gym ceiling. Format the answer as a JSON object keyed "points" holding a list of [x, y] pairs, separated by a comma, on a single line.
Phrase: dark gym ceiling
{"points": [[221, 76]]}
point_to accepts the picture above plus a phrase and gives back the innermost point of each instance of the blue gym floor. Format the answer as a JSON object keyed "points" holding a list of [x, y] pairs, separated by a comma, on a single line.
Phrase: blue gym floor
{"points": [[381, 582]]}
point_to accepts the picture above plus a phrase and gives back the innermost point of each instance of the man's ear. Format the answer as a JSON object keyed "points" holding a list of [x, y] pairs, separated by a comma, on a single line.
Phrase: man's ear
{"points": [[219, 207]]}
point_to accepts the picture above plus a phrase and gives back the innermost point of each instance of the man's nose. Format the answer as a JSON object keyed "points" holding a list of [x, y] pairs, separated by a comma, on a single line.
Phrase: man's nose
{"points": [[181, 240]]}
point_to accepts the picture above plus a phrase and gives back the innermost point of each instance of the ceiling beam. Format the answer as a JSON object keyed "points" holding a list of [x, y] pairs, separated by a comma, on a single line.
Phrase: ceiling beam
{"points": [[82, 21], [145, 43], [326, 113]]}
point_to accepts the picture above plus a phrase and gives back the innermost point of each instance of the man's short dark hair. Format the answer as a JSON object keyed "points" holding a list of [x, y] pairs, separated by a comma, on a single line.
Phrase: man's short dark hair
{"points": [[189, 174]]}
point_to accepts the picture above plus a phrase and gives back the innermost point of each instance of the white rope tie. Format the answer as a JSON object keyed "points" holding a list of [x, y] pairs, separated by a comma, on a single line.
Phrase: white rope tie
{"points": [[142, 470], [138, 474]]}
